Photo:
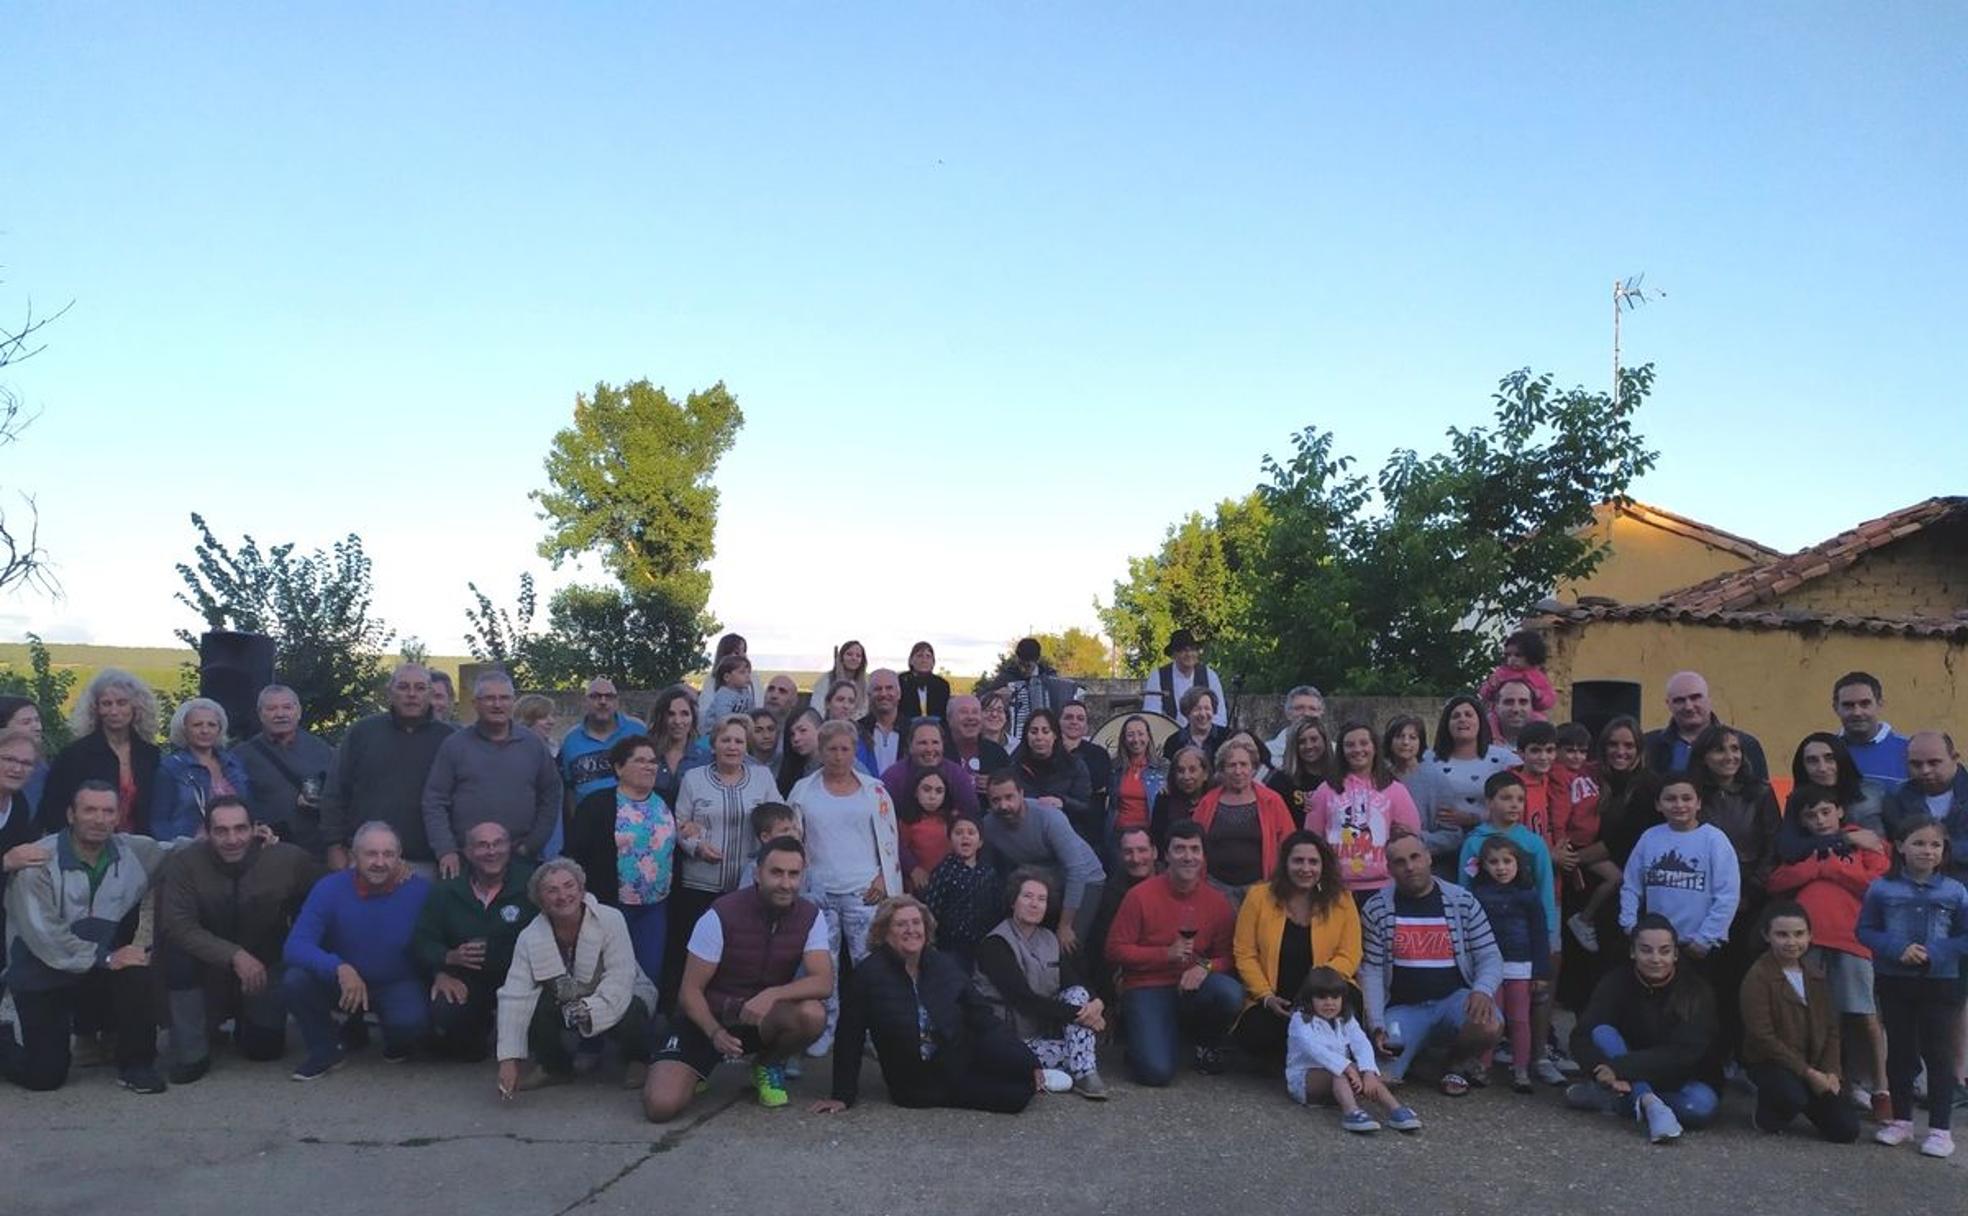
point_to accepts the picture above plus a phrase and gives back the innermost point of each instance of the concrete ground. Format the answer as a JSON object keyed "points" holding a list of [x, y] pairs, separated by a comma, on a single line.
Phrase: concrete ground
{"points": [[431, 1137]]}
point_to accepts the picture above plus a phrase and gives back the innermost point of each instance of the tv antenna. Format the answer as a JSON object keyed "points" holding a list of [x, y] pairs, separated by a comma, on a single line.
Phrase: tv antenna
{"points": [[1627, 294]]}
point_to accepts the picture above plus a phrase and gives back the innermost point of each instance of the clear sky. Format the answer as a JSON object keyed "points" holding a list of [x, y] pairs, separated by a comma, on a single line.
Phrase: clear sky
{"points": [[1004, 289]]}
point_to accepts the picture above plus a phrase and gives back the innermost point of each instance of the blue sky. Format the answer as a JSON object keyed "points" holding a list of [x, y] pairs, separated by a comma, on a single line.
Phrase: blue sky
{"points": [[1003, 289]]}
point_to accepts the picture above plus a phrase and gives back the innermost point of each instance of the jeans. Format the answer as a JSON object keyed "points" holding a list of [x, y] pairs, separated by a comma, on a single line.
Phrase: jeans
{"points": [[1694, 1103], [100, 1000], [847, 925], [259, 1020], [648, 935], [1153, 1020], [403, 1008], [1919, 1016], [1419, 1025], [1782, 1095], [464, 1032]]}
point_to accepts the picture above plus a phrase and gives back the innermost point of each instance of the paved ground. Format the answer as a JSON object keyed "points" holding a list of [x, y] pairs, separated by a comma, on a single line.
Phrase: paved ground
{"points": [[437, 1138]]}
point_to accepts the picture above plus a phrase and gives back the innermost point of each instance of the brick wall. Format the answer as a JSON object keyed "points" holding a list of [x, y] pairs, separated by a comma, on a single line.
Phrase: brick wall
{"points": [[1925, 575]]}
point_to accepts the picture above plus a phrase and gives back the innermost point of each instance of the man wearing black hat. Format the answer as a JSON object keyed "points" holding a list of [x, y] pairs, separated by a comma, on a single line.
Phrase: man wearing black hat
{"points": [[1035, 685], [1164, 688]]}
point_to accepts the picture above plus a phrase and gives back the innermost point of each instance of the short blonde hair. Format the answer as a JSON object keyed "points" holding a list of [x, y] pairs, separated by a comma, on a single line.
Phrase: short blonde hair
{"points": [[183, 714], [835, 728], [533, 708], [1238, 745], [878, 927]]}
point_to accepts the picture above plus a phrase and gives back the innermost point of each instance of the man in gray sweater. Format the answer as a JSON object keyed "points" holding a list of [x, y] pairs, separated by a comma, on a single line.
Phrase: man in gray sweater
{"points": [[490, 773], [379, 772], [289, 768], [1020, 832]]}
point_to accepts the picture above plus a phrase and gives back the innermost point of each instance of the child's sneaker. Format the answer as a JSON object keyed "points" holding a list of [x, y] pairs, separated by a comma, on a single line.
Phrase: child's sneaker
{"points": [[770, 1081], [1520, 1081], [1939, 1143], [1547, 1071], [1501, 1054], [1660, 1122], [1894, 1132], [1357, 1120], [1588, 937], [1403, 1119]]}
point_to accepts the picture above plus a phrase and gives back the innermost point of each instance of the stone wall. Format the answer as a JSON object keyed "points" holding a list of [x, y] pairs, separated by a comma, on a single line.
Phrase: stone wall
{"points": [[1262, 712], [1925, 575]]}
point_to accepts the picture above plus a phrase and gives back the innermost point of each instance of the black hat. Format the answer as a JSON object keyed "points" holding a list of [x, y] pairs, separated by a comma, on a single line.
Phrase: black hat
{"points": [[1181, 639]]}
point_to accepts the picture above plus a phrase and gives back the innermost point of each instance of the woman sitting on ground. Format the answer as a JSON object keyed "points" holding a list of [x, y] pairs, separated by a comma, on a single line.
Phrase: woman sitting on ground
{"points": [[1303, 918], [938, 1042], [577, 954], [1037, 988], [1649, 1039]]}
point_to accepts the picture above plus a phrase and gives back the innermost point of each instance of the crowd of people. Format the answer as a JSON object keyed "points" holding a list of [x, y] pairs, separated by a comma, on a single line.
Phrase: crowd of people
{"points": [[985, 896]]}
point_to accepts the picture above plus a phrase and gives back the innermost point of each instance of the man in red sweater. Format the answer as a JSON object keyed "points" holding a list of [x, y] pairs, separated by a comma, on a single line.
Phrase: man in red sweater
{"points": [[1171, 942]]}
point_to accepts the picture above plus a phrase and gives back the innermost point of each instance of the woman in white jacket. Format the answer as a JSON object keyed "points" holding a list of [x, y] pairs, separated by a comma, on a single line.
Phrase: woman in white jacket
{"points": [[577, 952], [1329, 1058]]}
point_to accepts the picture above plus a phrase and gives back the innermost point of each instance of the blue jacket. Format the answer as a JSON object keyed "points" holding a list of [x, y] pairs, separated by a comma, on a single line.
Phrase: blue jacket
{"points": [[1517, 918], [1909, 800], [1899, 912], [1154, 777], [184, 786]]}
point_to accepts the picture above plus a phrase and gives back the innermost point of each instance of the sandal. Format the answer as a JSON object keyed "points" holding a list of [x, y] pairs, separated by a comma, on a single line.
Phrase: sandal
{"points": [[1454, 1084]]}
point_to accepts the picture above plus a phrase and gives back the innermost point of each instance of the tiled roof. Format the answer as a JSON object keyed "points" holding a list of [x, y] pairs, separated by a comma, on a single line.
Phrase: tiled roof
{"points": [[1732, 599], [1694, 529]]}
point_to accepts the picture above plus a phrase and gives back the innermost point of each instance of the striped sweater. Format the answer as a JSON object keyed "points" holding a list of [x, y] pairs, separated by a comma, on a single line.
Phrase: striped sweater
{"points": [[1470, 937]]}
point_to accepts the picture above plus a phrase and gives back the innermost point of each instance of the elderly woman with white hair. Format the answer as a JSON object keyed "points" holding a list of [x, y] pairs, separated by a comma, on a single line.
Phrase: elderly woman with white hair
{"points": [[577, 954], [115, 731], [198, 768]]}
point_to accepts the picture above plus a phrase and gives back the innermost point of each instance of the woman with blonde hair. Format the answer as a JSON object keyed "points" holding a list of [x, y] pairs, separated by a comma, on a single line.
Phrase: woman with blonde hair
{"points": [[115, 731], [938, 1042], [197, 769]]}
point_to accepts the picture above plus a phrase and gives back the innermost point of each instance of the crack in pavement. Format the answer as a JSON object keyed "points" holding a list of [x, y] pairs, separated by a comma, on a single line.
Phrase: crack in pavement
{"points": [[664, 1144], [431, 1141]]}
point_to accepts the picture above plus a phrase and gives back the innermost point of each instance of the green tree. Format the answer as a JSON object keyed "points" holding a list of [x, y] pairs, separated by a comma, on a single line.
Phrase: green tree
{"points": [[1074, 653], [631, 481], [1401, 583], [316, 607], [1202, 579], [45, 685], [637, 639], [507, 638]]}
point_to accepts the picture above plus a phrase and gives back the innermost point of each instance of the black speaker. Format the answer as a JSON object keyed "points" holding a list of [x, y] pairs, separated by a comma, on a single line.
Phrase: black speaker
{"points": [[1597, 702], [232, 669]]}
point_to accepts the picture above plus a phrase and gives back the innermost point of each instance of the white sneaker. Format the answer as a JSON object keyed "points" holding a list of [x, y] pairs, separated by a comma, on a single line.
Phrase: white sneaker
{"points": [[1894, 1133], [1582, 929], [1860, 1097], [1056, 1082], [821, 1046], [1938, 1144]]}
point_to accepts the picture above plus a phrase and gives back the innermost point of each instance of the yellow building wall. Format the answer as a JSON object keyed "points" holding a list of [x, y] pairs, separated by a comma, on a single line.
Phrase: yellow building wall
{"points": [[1647, 562], [1775, 683]]}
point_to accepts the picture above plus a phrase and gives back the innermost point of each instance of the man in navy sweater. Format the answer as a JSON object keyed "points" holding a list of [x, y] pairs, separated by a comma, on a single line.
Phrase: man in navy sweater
{"points": [[350, 949]]}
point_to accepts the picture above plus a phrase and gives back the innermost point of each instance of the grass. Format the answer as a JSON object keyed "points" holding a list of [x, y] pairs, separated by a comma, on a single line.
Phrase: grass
{"points": [[156, 666]]}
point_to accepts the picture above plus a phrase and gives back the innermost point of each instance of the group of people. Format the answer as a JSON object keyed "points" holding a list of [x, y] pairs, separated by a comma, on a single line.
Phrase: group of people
{"points": [[984, 894]]}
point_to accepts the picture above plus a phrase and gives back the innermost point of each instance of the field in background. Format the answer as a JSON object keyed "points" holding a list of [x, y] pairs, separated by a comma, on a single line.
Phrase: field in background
{"points": [[156, 666]]}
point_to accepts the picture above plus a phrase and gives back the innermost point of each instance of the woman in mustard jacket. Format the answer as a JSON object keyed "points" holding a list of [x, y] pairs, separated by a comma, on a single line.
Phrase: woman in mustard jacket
{"points": [[1301, 919]]}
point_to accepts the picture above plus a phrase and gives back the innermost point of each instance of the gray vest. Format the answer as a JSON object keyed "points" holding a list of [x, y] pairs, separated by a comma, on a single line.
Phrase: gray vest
{"points": [[1038, 958]]}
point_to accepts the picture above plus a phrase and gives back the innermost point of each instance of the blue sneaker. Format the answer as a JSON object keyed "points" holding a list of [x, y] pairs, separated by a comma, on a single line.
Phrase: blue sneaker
{"points": [[1403, 1119], [1357, 1120], [1659, 1121], [315, 1066]]}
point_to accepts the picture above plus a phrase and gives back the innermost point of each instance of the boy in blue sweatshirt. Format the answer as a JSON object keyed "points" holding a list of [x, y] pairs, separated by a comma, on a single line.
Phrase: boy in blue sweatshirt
{"points": [[350, 949], [1684, 870], [1504, 798]]}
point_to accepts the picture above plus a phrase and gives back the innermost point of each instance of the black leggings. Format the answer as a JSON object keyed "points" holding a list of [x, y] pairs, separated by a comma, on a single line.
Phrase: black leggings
{"points": [[1919, 1016], [1782, 1095]]}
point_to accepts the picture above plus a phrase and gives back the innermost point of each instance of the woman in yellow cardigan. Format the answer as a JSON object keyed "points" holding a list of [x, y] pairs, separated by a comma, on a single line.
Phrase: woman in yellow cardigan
{"points": [[1303, 918]]}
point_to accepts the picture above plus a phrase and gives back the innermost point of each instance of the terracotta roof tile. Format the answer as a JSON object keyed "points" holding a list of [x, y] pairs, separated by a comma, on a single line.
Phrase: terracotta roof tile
{"points": [[1732, 599]]}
